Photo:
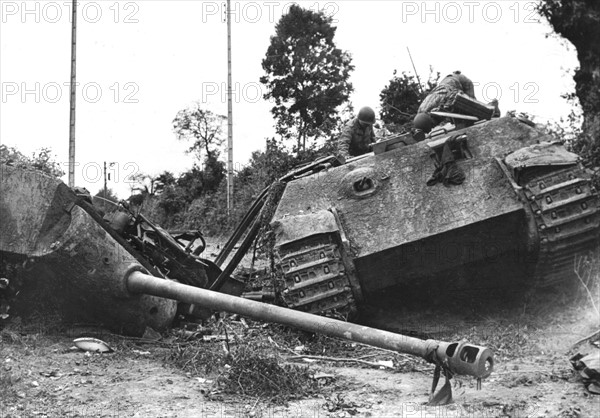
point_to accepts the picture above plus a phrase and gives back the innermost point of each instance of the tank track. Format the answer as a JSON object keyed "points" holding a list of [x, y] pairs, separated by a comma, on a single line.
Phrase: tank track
{"points": [[566, 209], [315, 278]]}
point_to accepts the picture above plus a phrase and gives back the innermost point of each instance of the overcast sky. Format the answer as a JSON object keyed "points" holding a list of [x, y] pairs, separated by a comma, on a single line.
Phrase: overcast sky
{"points": [[140, 62]]}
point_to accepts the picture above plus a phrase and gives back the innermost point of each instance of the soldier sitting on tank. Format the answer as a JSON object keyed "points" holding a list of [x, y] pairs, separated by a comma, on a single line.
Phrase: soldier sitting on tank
{"points": [[357, 136]]}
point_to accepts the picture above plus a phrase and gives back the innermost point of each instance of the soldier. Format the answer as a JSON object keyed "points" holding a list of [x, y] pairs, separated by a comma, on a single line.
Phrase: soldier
{"points": [[357, 136], [441, 97]]}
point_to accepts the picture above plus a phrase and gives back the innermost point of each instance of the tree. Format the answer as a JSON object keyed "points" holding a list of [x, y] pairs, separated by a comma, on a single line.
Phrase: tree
{"points": [[267, 166], [103, 199], [400, 99], [213, 173], [306, 75], [579, 22], [148, 185], [203, 127], [166, 178]]}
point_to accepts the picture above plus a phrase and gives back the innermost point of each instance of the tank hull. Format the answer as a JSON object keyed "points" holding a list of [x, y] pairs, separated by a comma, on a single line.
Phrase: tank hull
{"points": [[73, 262], [401, 232]]}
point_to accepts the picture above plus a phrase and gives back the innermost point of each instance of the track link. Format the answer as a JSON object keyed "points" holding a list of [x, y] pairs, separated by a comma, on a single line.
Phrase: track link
{"points": [[315, 277], [566, 209]]}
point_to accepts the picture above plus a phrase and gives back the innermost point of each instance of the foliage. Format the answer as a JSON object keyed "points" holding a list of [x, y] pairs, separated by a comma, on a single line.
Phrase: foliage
{"points": [[576, 20], [250, 367], [570, 132], [203, 127], [41, 160], [306, 76], [258, 371], [266, 166], [186, 200], [103, 199], [587, 270], [579, 22], [400, 99], [198, 198], [171, 201], [209, 213], [196, 357], [146, 184], [198, 182]]}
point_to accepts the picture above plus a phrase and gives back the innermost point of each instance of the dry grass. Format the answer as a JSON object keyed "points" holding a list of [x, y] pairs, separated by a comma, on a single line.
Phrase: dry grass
{"points": [[256, 370], [250, 365], [587, 270]]}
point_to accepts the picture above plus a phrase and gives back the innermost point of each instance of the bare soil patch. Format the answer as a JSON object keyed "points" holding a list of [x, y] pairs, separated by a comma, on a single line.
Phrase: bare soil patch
{"points": [[41, 375]]}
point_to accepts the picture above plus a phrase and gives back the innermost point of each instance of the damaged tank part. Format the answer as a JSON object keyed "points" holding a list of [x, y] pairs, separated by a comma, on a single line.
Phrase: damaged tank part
{"points": [[106, 277], [459, 357], [78, 259]]}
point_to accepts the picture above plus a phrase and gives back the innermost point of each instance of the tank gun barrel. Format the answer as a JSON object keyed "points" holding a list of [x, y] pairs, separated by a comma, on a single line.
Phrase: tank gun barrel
{"points": [[459, 357]]}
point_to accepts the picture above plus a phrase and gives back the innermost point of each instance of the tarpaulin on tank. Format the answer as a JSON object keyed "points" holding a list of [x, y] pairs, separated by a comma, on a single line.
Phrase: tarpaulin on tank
{"points": [[545, 153], [292, 228]]}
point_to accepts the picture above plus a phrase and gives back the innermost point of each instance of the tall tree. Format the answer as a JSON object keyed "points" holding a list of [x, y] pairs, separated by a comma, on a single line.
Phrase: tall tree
{"points": [[203, 127], [400, 99], [306, 75]]}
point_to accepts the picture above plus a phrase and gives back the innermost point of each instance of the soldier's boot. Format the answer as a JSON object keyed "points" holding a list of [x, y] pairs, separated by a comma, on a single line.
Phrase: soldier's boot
{"points": [[453, 174]]}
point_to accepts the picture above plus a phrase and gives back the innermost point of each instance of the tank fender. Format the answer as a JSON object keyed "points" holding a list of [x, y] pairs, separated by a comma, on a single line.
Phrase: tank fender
{"points": [[542, 154], [294, 228]]}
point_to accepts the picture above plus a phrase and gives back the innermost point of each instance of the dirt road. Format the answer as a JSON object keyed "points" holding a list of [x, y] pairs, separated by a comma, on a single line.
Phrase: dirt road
{"points": [[41, 376]]}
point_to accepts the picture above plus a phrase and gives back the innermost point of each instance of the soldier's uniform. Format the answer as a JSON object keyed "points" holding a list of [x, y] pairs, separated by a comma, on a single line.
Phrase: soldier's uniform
{"points": [[355, 139], [442, 96]]}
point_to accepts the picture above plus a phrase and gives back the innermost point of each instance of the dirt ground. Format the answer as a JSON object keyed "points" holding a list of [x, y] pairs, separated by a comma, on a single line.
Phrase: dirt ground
{"points": [[42, 376]]}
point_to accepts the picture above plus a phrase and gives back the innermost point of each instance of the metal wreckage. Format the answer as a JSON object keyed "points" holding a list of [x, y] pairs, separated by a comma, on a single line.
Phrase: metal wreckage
{"points": [[343, 232]]}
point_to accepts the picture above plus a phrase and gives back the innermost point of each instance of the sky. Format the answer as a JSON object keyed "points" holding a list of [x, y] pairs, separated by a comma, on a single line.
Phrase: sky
{"points": [[140, 62]]}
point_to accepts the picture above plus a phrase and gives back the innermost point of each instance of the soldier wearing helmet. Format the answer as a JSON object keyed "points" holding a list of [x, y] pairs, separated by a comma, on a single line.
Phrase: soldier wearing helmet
{"points": [[441, 98], [357, 136]]}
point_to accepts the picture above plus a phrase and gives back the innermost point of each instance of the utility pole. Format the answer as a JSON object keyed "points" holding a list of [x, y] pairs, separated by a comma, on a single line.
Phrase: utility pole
{"points": [[105, 185], [229, 117], [104, 193], [72, 97]]}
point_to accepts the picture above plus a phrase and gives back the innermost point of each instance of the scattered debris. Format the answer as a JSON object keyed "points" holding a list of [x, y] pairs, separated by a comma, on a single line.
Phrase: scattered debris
{"points": [[386, 364], [588, 367], [379, 365], [318, 376], [337, 403], [93, 345]]}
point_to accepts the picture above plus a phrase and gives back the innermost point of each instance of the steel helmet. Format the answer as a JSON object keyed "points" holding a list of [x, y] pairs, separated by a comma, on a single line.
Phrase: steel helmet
{"points": [[424, 122], [366, 115]]}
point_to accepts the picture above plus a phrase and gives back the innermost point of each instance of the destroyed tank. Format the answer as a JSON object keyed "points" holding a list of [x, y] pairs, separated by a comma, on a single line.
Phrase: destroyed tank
{"points": [[122, 272], [350, 232]]}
